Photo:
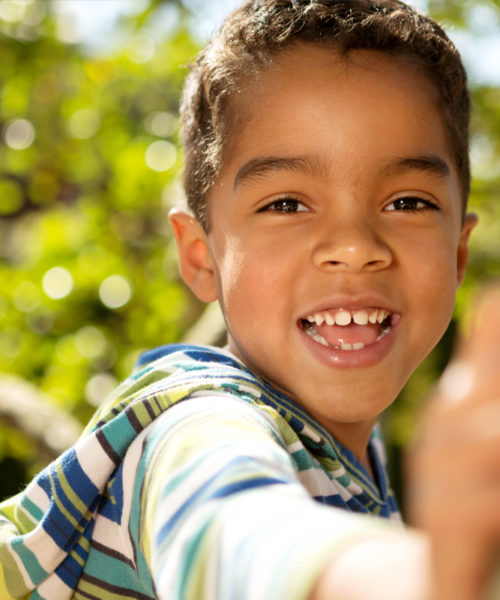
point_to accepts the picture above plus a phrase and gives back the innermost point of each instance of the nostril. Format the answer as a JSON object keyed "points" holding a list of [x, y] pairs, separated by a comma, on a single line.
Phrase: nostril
{"points": [[376, 263], [345, 252]]}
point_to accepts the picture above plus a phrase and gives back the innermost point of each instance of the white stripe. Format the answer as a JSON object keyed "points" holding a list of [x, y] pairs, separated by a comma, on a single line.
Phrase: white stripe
{"points": [[246, 388], [225, 402], [340, 472], [107, 532], [342, 491], [295, 447], [48, 553], [354, 488], [311, 434], [317, 483], [94, 461], [53, 587], [380, 450], [38, 496]]}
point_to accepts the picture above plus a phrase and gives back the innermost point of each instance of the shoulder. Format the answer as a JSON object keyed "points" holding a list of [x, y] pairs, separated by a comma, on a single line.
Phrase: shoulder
{"points": [[187, 353]]}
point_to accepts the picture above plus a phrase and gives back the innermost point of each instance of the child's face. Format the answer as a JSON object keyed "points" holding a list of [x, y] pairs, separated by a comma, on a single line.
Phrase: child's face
{"points": [[339, 200]]}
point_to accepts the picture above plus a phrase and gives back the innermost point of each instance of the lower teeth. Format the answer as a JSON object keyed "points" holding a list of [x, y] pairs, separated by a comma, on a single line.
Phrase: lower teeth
{"points": [[318, 338], [311, 332], [385, 331]]}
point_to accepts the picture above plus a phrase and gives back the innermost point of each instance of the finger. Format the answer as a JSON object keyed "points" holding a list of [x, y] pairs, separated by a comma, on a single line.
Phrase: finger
{"points": [[473, 513], [475, 366], [456, 384], [463, 427], [461, 568]]}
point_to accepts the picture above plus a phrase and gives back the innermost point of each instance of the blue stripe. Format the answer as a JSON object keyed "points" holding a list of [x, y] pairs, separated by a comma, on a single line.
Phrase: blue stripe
{"points": [[79, 482], [61, 530], [248, 484], [200, 495], [112, 506], [70, 571]]}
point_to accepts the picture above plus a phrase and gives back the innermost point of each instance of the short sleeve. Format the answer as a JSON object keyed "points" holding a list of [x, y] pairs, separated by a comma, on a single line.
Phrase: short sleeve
{"points": [[222, 512]]}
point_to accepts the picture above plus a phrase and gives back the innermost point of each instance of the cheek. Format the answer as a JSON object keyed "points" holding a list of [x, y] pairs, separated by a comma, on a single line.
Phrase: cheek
{"points": [[239, 275], [433, 262], [431, 281], [443, 268], [436, 285], [251, 283]]}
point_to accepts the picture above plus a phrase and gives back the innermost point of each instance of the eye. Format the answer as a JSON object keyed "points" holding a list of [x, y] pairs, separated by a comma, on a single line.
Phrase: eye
{"points": [[411, 204], [284, 205]]}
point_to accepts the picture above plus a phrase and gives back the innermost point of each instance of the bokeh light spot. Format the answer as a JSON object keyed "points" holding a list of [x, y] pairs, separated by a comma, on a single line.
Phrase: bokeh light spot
{"points": [[115, 291], [161, 123], [90, 342], [67, 29], [10, 11], [84, 123], [34, 12], [57, 283], [19, 134], [161, 156], [98, 387]]}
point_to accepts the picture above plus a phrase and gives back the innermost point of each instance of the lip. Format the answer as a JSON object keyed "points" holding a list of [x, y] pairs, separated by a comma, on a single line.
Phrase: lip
{"points": [[350, 303], [369, 355]]}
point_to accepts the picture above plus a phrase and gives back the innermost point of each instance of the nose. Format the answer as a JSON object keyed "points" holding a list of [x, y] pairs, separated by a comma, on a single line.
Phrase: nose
{"points": [[352, 247]]}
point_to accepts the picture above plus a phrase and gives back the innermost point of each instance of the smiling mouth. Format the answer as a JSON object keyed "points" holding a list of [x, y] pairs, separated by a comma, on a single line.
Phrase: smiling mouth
{"points": [[348, 330]]}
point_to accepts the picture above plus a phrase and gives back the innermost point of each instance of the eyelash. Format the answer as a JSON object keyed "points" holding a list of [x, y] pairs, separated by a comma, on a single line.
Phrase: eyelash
{"points": [[424, 204], [286, 201], [290, 205]]}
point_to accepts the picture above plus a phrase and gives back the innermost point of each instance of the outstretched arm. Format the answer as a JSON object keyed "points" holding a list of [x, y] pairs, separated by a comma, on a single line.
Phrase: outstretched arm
{"points": [[224, 515]]}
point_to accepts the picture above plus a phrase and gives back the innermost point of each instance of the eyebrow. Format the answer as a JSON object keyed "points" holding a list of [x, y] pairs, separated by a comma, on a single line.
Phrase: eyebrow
{"points": [[261, 166], [429, 163]]}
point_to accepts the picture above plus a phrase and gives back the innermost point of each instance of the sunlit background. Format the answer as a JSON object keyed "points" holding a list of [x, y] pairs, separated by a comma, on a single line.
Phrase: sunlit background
{"points": [[90, 163]]}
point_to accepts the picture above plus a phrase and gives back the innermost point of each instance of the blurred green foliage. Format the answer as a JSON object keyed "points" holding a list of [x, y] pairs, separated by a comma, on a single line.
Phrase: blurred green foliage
{"points": [[89, 164]]}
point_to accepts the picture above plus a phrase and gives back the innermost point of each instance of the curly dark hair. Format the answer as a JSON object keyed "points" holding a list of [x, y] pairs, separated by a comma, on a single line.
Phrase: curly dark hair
{"points": [[253, 34]]}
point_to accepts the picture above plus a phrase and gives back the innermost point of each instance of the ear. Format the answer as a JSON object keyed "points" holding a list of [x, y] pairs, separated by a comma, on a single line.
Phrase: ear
{"points": [[470, 221], [194, 258]]}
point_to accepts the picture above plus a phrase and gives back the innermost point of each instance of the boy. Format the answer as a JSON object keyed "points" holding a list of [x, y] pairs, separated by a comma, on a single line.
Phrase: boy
{"points": [[327, 174]]}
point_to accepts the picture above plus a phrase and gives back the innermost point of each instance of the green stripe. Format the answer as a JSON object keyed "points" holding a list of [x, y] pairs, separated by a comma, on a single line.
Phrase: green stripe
{"points": [[30, 562], [14, 581], [23, 522]]}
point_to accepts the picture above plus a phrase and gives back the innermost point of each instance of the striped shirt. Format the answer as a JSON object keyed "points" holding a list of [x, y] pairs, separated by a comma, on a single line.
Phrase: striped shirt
{"points": [[196, 479]]}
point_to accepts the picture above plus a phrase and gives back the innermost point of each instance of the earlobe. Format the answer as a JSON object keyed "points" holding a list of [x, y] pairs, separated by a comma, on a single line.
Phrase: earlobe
{"points": [[470, 221], [194, 258]]}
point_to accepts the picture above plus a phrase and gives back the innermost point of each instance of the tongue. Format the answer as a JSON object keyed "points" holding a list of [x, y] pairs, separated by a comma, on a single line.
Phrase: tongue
{"points": [[336, 335]]}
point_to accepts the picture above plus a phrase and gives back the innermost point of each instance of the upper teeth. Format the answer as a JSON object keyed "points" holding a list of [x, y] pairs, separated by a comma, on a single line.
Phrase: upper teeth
{"points": [[345, 317]]}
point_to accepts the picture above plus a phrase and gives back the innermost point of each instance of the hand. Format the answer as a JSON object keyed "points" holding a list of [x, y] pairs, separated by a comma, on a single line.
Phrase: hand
{"points": [[390, 566], [455, 467]]}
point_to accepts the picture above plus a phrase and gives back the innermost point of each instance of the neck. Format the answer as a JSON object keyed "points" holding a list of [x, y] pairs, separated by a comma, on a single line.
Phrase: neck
{"points": [[355, 437]]}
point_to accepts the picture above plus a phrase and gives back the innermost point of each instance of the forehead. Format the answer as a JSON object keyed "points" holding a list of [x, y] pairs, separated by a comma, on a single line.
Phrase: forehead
{"points": [[312, 98]]}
